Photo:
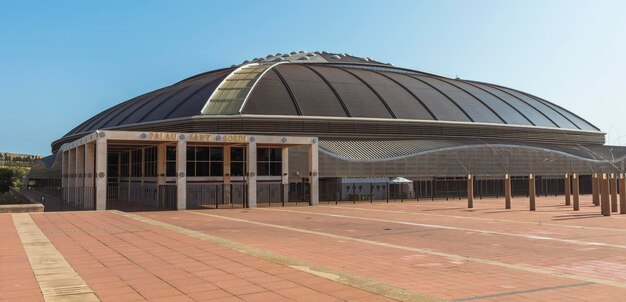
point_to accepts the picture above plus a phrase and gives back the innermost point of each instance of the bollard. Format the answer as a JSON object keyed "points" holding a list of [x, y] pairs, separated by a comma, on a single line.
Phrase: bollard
{"points": [[576, 192], [613, 190], [595, 189], [531, 192], [470, 192], [567, 190], [507, 191], [387, 192], [622, 194], [605, 206]]}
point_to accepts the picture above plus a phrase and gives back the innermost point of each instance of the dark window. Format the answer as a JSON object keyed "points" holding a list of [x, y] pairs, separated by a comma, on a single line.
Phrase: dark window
{"points": [[237, 161], [269, 161], [112, 167], [217, 154], [237, 169], [237, 154], [275, 168], [263, 168], [276, 154], [202, 168], [124, 164], [205, 161], [170, 156], [136, 158], [217, 168], [191, 168], [202, 154], [150, 157], [170, 168], [263, 154], [191, 154], [170, 153]]}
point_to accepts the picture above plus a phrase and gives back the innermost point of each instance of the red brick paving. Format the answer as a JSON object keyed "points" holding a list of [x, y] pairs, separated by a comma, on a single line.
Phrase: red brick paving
{"points": [[17, 281], [126, 260], [122, 259], [436, 275]]}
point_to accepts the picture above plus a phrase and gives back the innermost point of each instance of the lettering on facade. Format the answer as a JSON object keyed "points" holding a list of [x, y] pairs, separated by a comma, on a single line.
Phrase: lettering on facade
{"points": [[235, 138], [160, 136], [197, 137]]}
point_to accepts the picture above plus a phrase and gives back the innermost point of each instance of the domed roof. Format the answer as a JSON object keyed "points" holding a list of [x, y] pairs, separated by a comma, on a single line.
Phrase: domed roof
{"points": [[322, 84]]}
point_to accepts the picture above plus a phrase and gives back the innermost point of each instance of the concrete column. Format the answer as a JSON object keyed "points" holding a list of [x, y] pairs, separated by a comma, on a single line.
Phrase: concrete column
{"points": [[314, 173], [101, 173], [604, 195], [622, 194], [119, 170], [576, 192], [143, 168], [226, 174], [89, 164], [531, 192], [80, 175], [252, 173], [181, 173], [161, 164], [64, 174], [470, 191], [613, 190], [507, 191], [161, 172], [130, 175], [567, 190], [72, 171], [284, 178], [595, 189], [80, 166]]}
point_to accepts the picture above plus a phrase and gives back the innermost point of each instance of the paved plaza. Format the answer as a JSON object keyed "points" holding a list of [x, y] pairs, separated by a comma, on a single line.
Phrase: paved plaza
{"points": [[407, 251]]}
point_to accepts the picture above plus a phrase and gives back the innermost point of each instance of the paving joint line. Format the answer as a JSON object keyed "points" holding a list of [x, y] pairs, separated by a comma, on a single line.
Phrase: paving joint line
{"points": [[432, 252], [534, 290], [435, 226], [485, 219], [58, 281], [369, 285], [492, 210]]}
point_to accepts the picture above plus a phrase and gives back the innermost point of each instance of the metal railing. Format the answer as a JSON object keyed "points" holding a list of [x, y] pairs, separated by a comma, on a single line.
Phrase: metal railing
{"points": [[367, 192], [141, 197], [150, 196], [216, 195], [64, 199]]}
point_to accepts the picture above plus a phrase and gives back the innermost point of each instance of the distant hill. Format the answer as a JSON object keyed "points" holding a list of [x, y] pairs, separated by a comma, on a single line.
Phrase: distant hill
{"points": [[17, 160]]}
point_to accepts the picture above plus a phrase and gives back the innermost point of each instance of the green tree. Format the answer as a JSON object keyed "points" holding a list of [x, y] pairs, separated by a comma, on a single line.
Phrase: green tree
{"points": [[12, 177], [6, 179]]}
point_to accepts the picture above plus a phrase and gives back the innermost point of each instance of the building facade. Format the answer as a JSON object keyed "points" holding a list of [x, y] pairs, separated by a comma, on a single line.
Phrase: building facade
{"points": [[311, 126]]}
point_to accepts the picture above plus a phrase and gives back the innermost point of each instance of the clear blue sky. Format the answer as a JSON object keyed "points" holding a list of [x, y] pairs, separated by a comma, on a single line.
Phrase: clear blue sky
{"points": [[61, 62]]}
